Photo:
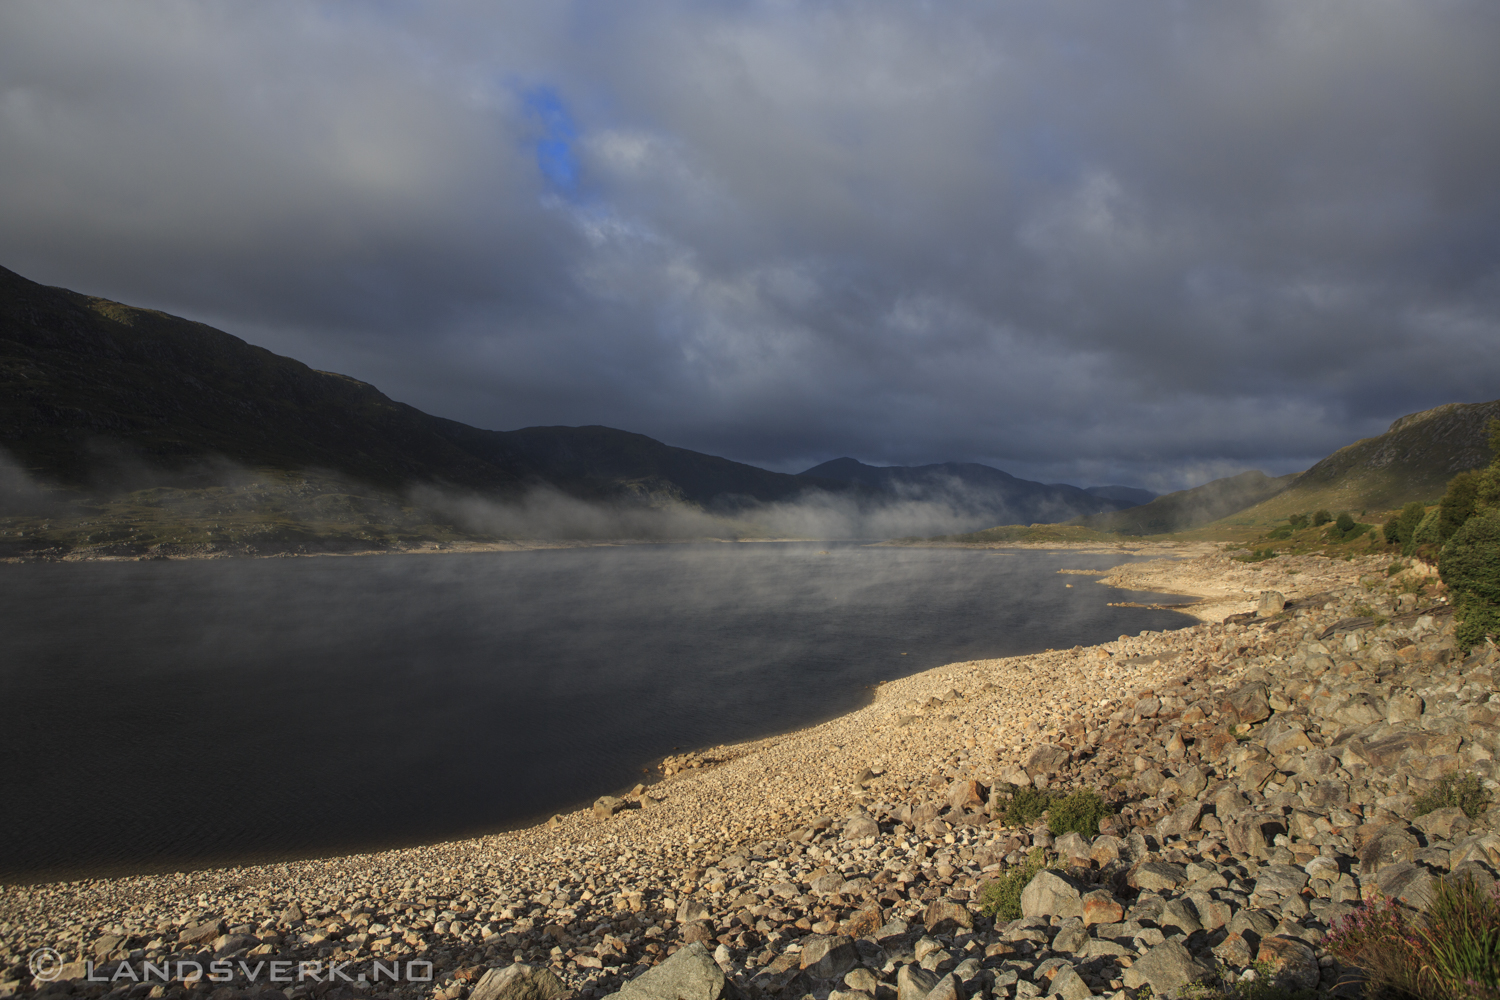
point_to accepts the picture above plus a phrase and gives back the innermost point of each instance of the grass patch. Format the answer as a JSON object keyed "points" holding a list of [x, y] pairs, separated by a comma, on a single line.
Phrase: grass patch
{"points": [[1262, 986], [1257, 555], [1465, 791], [1000, 900]]}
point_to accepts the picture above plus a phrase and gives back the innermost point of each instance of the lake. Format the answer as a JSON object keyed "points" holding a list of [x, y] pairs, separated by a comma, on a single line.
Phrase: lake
{"points": [[158, 716]]}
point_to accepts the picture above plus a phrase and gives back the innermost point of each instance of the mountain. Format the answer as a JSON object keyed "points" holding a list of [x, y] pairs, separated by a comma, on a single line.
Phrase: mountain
{"points": [[976, 491], [1190, 508], [1131, 495], [95, 394], [1412, 461]]}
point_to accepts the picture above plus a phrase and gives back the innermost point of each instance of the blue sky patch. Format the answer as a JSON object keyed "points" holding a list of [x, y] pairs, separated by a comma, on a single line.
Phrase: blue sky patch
{"points": [[554, 147]]}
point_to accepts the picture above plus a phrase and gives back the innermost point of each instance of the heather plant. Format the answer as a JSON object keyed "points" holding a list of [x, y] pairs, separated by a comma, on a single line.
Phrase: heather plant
{"points": [[1450, 953]]}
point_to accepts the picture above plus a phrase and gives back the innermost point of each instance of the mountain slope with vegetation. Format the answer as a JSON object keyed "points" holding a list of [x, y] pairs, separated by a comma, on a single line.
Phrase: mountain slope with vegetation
{"points": [[1187, 509], [1410, 463], [95, 394]]}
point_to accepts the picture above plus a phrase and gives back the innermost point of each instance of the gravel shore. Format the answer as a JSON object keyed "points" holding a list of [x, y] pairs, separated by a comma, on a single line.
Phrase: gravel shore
{"points": [[846, 860]]}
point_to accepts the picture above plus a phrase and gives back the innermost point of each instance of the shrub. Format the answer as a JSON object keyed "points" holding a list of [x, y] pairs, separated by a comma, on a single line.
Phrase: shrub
{"points": [[1026, 804], [1001, 899], [1321, 518], [1451, 953], [1463, 790], [1344, 523], [1457, 505], [1080, 812], [1297, 521], [1470, 566], [1283, 531]]}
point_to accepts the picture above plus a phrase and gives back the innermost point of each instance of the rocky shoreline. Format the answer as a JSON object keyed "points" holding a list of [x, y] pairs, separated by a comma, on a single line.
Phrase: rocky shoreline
{"points": [[1264, 773]]}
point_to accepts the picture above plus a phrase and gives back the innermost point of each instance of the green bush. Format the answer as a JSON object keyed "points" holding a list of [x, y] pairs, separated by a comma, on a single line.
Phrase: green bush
{"points": [[1026, 805], [1321, 518], [1001, 899], [1277, 534], [1457, 505], [1470, 566], [1398, 530], [1463, 790], [1080, 812], [1297, 521]]}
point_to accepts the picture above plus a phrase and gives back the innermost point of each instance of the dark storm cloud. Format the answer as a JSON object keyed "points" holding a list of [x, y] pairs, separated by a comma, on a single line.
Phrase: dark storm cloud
{"points": [[1151, 243]]}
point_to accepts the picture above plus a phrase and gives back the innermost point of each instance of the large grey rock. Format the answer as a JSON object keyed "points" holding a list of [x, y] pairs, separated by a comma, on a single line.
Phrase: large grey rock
{"points": [[1250, 703], [946, 988], [1450, 823], [1253, 925], [1407, 882], [860, 827], [519, 982], [690, 974], [1154, 876], [1295, 964], [606, 806], [201, 933], [1192, 780], [691, 909], [828, 957], [1179, 916], [1051, 894], [1280, 880], [1180, 820], [914, 982], [1270, 602], [1069, 985], [1403, 706], [944, 915], [1166, 968], [1071, 936], [1391, 844], [1046, 759]]}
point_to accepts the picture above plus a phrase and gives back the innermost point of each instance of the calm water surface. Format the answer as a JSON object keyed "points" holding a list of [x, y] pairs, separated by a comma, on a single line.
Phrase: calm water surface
{"points": [[159, 716]]}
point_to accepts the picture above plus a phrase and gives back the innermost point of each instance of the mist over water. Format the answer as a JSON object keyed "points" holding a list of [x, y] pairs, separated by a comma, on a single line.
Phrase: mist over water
{"points": [[164, 715]]}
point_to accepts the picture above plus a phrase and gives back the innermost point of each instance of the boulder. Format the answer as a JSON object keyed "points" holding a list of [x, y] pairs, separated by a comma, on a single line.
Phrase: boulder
{"points": [[691, 909], [1406, 882], [1180, 820], [1403, 706], [1166, 968], [828, 957], [1101, 907], [1052, 894], [1154, 876], [1250, 702], [1295, 964], [967, 796], [1014, 774], [1270, 602], [1280, 880], [1073, 848], [690, 974], [1071, 936], [1046, 759], [860, 827], [1450, 823], [518, 982], [1069, 985], [943, 916], [607, 805], [1389, 845], [1179, 916], [914, 982], [201, 933]]}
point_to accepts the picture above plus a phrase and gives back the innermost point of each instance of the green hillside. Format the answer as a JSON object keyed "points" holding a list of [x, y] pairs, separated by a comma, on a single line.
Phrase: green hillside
{"points": [[1187, 509]]}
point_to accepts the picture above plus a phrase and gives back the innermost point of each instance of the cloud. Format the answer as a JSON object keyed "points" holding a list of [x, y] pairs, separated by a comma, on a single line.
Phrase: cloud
{"points": [[1081, 243]]}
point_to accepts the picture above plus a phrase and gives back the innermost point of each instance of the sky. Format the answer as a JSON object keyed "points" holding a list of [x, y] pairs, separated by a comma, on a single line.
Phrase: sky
{"points": [[1150, 243]]}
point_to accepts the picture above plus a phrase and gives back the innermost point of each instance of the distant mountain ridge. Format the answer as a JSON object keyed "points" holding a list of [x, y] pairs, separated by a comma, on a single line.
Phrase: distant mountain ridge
{"points": [[87, 384], [974, 490]]}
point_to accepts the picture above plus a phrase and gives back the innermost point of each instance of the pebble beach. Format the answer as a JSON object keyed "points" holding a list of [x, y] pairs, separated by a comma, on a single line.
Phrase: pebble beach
{"points": [[1250, 766]]}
